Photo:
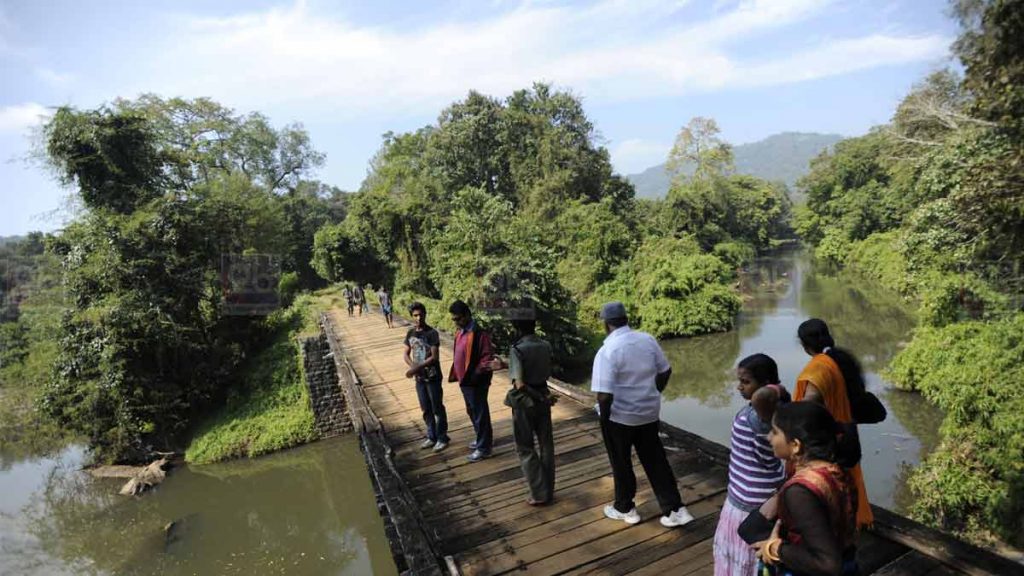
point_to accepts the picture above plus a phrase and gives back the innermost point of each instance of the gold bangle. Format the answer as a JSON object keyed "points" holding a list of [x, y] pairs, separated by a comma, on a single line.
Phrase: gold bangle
{"points": [[766, 556], [773, 555]]}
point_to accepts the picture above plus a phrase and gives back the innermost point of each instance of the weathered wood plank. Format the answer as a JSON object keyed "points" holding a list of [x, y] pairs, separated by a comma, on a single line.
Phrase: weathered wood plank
{"points": [[605, 546], [677, 562], [914, 562], [950, 551]]}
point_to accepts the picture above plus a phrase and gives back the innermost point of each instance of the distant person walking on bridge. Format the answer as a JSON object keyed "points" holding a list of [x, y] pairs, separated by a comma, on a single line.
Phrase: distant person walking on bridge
{"points": [[385, 305], [471, 368], [349, 298], [422, 355], [360, 298], [529, 365], [630, 372]]}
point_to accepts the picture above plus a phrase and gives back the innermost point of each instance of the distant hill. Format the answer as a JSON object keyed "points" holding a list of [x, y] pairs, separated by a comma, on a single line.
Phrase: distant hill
{"points": [[782, 157]]}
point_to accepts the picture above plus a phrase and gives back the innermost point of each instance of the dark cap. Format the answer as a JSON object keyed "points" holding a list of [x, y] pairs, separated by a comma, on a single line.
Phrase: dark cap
{"points": [[613, 310]]}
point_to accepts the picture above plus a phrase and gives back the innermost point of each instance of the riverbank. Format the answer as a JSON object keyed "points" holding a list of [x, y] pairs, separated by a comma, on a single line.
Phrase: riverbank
{"points": [[272, 411]]}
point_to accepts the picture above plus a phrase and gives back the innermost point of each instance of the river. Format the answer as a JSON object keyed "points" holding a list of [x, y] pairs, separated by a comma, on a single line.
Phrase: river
{"points": [[309, 510], [781, 292]]}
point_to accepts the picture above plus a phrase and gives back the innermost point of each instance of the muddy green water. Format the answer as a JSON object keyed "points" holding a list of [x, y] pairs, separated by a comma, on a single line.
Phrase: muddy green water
{"points": [[310, 510], [783, 291]]}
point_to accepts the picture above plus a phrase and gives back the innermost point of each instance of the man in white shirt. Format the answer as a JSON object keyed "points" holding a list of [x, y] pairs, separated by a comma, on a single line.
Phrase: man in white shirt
{"points": [[630, 371]]}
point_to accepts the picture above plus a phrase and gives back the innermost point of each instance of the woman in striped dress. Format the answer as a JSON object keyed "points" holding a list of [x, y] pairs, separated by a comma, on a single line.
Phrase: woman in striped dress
{"points": [[754, 471]]}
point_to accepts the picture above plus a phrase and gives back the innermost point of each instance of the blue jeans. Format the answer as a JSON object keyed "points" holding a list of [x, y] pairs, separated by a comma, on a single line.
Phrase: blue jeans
{"points": [[480, 414], [431, 397]]}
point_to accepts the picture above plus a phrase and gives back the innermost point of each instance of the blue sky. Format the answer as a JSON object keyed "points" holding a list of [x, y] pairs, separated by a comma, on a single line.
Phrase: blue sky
{"points": [[350, 71]]}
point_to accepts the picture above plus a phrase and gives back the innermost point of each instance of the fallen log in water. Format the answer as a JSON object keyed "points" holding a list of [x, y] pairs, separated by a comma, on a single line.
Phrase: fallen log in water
{"points": [[146, 478], [114, 471]]}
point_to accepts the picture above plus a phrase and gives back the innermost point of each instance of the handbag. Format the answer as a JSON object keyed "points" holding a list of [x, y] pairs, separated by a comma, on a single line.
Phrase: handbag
{"points": [[518, 399], [755, 527], [867, 408]]}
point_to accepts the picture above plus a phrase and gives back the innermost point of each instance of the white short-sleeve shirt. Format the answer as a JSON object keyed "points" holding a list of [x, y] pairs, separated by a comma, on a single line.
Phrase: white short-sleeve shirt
{"points": [[626, 366]]}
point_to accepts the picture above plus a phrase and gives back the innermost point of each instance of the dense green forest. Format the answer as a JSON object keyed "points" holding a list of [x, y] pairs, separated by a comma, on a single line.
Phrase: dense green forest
{"points": [[115, 328], [128, 347], [513, 199], [932, 205]]}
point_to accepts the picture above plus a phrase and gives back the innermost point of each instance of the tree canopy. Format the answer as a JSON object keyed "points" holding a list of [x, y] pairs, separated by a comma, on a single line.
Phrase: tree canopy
{"points": [[169, 187], [517, 192]]}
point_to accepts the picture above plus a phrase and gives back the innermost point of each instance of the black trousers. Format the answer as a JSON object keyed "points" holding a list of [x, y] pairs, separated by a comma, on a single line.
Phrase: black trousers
{"points": [[537, 458], [620, 440]]}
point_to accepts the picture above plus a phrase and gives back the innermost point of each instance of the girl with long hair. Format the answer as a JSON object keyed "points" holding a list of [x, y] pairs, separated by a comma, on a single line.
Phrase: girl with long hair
{"points": [[824, 380]]}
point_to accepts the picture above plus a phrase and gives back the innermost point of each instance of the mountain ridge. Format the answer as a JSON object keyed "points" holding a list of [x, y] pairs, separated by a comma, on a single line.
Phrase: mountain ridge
{"points": [[782, 157]]}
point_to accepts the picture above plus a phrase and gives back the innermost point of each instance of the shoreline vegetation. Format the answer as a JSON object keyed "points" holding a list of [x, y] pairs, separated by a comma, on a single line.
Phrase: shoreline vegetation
{"points": [[932, 205], [272, 411]]}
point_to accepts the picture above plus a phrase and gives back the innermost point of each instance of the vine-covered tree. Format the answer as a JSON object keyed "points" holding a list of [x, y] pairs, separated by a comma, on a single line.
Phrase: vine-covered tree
{"points": [[168, 187]]}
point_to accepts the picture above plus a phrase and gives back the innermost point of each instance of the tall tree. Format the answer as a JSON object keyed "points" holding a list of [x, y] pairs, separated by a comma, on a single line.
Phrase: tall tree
{"points": [[145, 345], [699, 148], [203, 139], [990, 49]]}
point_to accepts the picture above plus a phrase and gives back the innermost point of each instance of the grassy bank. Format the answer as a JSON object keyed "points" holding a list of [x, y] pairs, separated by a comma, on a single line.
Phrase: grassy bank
{"points": [[27, 352], [272, 411]]}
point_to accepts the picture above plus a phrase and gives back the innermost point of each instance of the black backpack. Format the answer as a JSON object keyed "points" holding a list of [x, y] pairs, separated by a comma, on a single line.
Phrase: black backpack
{"points": [[866, 407]]}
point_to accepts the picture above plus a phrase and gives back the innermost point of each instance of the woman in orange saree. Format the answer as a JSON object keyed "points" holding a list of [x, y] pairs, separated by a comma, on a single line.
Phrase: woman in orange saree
{"points": [[822, 381]]}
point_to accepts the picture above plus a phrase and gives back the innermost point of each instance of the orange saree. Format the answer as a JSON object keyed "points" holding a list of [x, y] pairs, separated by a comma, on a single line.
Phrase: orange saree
{"points": [[823, 373]]}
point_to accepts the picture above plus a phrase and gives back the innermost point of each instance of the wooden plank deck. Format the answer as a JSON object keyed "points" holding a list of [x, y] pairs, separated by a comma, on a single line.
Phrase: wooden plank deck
{"points": [[475, 516]]}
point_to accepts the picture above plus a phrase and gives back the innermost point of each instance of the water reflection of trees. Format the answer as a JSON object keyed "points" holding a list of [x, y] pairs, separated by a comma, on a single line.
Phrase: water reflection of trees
{"points": [[300, 512], [764, 284], [902, 496], [919, 417], [702, 368], [863, 317]]}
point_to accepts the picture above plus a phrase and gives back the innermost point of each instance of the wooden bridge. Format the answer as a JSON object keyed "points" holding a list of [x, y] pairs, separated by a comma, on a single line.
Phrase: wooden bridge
{"points": [[446, 515]]}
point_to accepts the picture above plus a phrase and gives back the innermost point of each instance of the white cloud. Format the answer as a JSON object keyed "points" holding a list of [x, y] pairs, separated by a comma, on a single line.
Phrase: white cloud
{"points": [[20, 117], [611, 50], [52, 77], [845, 56], [635, 155]]}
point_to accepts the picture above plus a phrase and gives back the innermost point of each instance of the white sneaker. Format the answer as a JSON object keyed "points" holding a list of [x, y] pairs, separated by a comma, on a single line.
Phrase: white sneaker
{"points": [[631, 517], [428, 443], [441, 445], [677, 518]]}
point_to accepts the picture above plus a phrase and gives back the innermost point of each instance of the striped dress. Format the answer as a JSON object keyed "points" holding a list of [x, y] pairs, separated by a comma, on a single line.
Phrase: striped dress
{"points": [[754, 475]]}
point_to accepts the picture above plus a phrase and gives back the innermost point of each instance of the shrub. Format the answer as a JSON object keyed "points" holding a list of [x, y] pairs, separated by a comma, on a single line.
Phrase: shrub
{"points": [[287, 287], [272, 410], [735, 254], [878, 258], [833, 247], [973, 484], [711, 309], [670, 289]]}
